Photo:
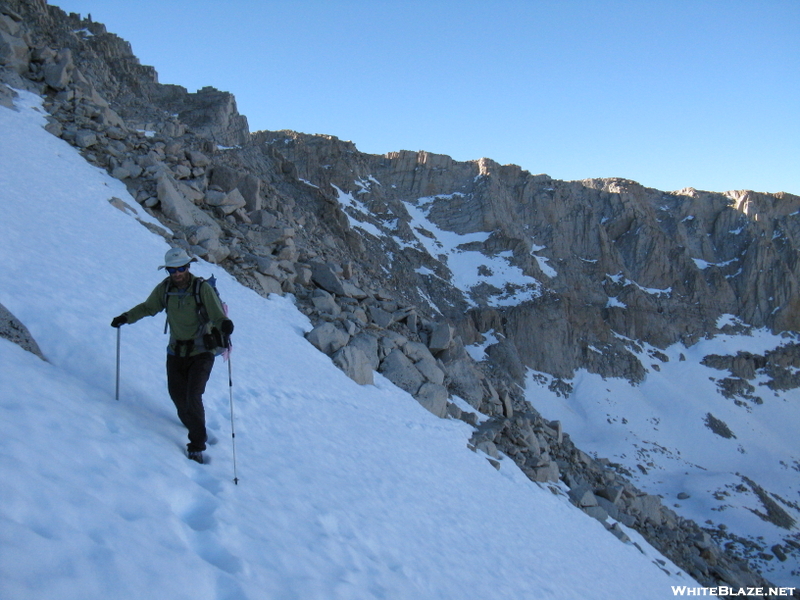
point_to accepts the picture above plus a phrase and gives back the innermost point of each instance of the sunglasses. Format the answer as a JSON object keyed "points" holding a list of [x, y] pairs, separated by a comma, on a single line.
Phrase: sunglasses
{"points": [[173, 270]]}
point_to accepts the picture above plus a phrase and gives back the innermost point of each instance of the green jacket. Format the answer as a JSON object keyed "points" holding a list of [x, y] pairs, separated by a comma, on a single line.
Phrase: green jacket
{"points": [[182, 313]]}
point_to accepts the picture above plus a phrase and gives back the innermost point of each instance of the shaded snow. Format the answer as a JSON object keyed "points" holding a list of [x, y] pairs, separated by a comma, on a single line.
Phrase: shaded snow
{"points": [[660, 426]]}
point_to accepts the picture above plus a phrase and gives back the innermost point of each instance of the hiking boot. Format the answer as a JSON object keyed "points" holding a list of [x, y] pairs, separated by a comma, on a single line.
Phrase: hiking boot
{"points": [[196, 456]]}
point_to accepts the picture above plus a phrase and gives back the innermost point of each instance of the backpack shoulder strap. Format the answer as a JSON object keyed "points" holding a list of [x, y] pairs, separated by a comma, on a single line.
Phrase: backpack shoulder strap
{"points": [[167, 284], [198, 298], [198, 283]]}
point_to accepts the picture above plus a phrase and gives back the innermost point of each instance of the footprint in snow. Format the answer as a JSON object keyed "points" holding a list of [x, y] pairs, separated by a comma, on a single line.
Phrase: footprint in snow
{"points": [[200, 515]]}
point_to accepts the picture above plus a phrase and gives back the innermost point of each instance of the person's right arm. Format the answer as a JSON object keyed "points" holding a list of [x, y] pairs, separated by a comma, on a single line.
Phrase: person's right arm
{"points": [[150, 307]]}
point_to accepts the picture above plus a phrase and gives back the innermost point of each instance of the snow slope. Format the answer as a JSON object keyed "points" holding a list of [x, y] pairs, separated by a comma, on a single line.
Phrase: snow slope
{"points": [[658, 431], [344, 491]]}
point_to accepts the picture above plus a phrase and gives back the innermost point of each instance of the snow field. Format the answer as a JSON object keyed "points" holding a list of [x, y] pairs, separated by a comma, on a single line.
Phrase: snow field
{"points": [[660, 424]]}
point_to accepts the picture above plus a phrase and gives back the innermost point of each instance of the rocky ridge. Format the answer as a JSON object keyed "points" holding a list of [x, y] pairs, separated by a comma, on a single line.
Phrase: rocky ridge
{"points": [[605, 262]]}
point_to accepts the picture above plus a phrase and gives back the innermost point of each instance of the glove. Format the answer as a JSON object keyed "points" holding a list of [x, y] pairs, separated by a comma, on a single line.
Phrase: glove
{"points": [[120, 320], [226, 327], [216, 339]]}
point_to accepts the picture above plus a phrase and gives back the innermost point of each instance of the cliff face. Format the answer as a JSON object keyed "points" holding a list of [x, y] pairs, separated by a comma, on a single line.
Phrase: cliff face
{"points": [[609, 259]]}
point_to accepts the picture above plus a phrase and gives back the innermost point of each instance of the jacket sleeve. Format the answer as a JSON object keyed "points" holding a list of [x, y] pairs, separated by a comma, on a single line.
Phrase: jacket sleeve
{"points": [[150, 307]]}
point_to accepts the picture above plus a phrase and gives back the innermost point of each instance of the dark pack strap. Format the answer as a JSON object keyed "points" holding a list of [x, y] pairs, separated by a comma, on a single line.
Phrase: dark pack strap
{"points": [[202, 313], [164, 303], [184, 347]]}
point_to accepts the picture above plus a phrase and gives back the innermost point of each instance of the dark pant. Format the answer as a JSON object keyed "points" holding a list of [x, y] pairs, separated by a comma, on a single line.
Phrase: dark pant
{"points": [[186, 380]]}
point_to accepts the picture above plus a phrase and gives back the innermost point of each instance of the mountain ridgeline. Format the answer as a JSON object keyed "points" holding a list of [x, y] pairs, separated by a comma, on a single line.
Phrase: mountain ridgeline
{"points": [[405, 261], [622, 262]]}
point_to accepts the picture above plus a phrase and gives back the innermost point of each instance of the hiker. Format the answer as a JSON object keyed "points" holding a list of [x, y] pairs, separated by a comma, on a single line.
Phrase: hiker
{"points": [[197, 329]]}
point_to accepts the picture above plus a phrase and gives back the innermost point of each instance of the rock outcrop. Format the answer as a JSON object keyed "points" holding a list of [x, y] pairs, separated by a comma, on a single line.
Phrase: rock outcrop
{"points": [[15, 331]]}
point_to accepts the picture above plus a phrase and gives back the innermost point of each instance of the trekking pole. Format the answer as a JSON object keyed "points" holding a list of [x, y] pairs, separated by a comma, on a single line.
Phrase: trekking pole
{"points": [[233, 432], [117, 393]]}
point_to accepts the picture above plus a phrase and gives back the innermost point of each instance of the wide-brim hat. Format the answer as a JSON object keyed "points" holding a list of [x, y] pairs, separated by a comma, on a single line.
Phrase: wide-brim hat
{"points": [[176, 257]]}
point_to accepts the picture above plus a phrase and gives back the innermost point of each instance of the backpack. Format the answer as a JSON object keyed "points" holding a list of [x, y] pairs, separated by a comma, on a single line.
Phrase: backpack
{"points": [[216, 341]]}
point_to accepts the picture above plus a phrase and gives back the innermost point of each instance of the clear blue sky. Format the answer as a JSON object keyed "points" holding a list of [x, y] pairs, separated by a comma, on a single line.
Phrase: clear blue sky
{"points": [[700, 93]]}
